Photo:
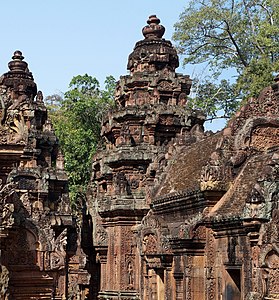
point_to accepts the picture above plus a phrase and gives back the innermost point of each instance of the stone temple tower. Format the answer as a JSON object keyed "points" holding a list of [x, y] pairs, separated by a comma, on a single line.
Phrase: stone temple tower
{"points": [[150, 120], [38, 235]]}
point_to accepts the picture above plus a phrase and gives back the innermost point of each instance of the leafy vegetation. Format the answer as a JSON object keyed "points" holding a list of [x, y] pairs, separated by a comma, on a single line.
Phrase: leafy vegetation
{"points": [[77, 120], [235, 36]]}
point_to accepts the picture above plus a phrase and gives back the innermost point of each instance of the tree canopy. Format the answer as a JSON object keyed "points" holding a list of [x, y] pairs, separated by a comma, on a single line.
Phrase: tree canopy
{"points": [[77, 121], [235, 35]]}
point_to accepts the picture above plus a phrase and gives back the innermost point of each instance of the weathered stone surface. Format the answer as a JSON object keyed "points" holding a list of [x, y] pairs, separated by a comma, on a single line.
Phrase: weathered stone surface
{"points": [[171, 212], [37, 228], [150, 123], [179, 213]]}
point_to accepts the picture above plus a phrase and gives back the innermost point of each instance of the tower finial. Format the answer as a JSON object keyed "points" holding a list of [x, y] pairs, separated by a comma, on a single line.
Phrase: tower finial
{"points": [[19, 78], [153, 30], [17, 63]]}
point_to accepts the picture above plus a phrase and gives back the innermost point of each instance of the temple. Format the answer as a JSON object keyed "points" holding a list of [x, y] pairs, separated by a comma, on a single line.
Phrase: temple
{"points": [[172, 211], [180, 213], [38, 232]]}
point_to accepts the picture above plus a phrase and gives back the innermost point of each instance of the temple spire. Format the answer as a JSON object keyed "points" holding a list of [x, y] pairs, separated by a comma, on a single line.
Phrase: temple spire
{"points": [[17, 64], [153, 53], [153, 30], [19, 78]]}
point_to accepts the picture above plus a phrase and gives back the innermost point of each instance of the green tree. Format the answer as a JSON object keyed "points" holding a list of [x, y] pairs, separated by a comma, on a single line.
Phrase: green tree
{"points": [[236, 35], [77, 122], [218, 100]]}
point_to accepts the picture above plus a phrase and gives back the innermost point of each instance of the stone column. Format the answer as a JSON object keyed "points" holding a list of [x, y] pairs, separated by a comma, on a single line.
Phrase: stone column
{"points": [[168, 283], [102, 257], [152, 284], [179, 292]]}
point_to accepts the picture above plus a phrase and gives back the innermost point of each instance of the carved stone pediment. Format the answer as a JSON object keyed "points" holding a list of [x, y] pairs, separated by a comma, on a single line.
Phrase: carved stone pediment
{"points": [[269, 262], [264, 137], [265, 192], [153, 234], [260, 133]]}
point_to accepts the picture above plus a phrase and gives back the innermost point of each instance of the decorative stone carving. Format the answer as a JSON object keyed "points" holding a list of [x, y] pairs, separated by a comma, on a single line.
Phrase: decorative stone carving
{"points": [[271, 275], [212, 177], [149, 244], [265, 191], [35, 213], [149, 122], [130, 274], [212, 234], [4, 282], [101, 236], [7, 219], [58, 256], [187, 230], [121, 184]]}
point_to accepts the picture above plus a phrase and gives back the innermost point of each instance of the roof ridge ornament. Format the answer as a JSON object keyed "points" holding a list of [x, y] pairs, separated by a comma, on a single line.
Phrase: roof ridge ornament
{"points": [[153, 30]]}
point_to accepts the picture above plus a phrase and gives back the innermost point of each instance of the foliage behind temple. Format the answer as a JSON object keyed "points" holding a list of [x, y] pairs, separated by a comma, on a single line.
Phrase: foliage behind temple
{"points": [[230, 36], [76, 119]]}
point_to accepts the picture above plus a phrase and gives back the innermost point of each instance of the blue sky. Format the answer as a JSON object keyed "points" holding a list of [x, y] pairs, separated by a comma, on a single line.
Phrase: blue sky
{"points": [[60, 39]]}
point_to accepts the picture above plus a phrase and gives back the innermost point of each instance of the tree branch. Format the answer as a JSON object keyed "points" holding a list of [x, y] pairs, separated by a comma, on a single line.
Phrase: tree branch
{"points": [[245, 64], [217, 117], [252, 27]]}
